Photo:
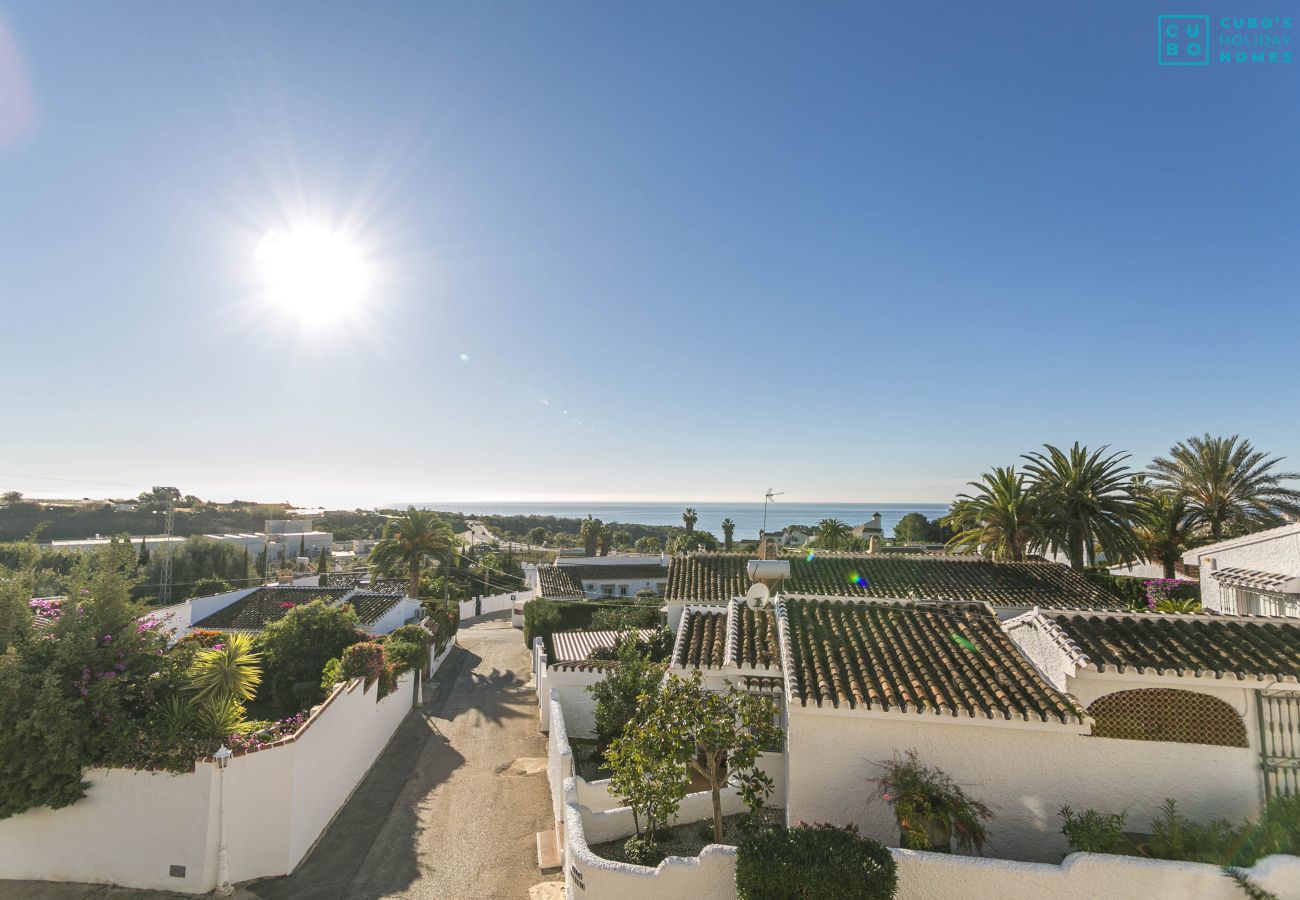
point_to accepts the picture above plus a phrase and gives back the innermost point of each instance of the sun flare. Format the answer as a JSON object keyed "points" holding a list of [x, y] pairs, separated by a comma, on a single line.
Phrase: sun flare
{"points": [[309, 270]]}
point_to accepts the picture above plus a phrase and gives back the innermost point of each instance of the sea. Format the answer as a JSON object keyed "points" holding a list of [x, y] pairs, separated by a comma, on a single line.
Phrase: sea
{"points": [[747, 516]]}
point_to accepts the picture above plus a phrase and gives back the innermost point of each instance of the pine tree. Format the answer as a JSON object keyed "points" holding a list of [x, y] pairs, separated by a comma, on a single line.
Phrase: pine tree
{"points": [[144, 553]]}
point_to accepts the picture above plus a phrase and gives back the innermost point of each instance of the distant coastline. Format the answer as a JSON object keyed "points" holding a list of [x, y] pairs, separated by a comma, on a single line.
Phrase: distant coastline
{"points": [[747, 516]]}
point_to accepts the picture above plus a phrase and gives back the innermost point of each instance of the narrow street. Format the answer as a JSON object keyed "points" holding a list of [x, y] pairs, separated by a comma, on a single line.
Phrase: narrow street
{"points": [[437, 817]]}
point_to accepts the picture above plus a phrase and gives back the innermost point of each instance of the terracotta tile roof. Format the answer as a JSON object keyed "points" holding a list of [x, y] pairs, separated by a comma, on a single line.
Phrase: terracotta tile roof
{"points": [[1241, 646], [555, 582], [344, 579], [702, 639], [396, 586], [576, 646], [717, 577], [707, 577], [372, 607], [952, 658], [587, 665], [266, 605], [753, 640], [634, 571]]}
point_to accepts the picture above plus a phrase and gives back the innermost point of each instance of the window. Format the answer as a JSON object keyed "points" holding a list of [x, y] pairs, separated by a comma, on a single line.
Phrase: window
{"points": [[607, 590], [1169, 715], [1251, 603], [622, 590]]}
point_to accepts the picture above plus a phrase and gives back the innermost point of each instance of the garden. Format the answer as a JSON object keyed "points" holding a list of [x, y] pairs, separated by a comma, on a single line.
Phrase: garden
{"points": [[91, 681]]}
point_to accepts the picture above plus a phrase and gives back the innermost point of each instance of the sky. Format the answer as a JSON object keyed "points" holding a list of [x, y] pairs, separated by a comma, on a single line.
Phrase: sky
{"points": [[669, 251]]}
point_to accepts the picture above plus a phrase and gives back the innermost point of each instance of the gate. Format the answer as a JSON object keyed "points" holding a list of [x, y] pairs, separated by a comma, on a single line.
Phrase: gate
{"points": [[1279, 744]]}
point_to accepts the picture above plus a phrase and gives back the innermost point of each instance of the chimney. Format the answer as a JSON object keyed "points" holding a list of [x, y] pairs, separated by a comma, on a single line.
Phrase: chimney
{"points": [[873, 543], [767, 548], [875, 521]]}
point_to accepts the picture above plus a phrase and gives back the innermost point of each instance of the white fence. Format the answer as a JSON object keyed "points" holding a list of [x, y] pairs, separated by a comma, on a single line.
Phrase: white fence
{"points": [[159, 831], [585, 813], [482, 606]]}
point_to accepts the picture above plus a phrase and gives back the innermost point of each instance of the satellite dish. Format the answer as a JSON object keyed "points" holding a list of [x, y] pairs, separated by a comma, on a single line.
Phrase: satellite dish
{"points": [[758, 591]]}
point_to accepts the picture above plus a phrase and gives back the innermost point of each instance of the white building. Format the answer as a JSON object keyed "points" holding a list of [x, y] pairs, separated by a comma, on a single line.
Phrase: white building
{"points": [[1256, 574], [594, 577], [152, 541]]}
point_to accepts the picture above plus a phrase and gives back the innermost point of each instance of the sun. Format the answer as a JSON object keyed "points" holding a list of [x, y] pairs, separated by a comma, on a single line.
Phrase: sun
{"points": [[311, 271]]}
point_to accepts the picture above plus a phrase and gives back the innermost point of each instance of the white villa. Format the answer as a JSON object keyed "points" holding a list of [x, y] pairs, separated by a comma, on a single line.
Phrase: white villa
{"points": [[1025, 683], [595, 577], [1257, 574]]}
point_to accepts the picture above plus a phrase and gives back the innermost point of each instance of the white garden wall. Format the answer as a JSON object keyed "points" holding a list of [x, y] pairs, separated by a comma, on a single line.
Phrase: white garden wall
{"points": [[1024, 775], [482, 606], [133, 826]]}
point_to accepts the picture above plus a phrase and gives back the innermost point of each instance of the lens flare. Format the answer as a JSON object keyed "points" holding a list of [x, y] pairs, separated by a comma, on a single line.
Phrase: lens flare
{"points": [[810, 557], [858, 580], [964, 642]]}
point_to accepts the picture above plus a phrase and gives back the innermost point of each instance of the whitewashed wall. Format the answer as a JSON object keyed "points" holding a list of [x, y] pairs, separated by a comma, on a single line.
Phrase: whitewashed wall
{"points": [[482, 606], [1277, 551], [569, 688], [1023, 775], [132, 826]]}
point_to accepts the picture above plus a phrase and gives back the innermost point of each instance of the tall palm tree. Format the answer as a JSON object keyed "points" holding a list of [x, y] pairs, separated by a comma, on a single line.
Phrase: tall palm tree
{"points": [[1166, 529], [411, 538], [999, 519], [1086, 502], [728, 529], [831, 533], [1230, 486], [690, 517]]}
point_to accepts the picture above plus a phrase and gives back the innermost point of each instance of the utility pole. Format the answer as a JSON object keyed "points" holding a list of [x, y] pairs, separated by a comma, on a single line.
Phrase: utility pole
{"points": [[165, 578]]}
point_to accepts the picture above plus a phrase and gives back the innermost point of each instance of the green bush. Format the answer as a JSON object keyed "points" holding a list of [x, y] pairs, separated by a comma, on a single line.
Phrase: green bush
{"points": [[365, 660], [296, 647], [331, 675], [1276, 832], [1091, 831], [407, 648], [642, 851], [1174, 836], [818, 862], [541, 618]]}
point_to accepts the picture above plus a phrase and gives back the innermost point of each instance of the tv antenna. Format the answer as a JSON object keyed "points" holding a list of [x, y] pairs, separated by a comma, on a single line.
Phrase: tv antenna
{"points": [[769, 497]]}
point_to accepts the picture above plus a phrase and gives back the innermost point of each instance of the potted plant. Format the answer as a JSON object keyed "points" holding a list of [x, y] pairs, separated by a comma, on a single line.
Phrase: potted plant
{"points": [[932, 810]]}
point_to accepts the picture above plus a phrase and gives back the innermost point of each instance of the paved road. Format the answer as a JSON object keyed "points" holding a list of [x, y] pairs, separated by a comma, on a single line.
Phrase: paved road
{"points": [[437, 816]]}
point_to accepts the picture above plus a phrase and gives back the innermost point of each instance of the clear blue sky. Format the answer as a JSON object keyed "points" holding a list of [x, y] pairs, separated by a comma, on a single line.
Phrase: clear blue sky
{"points": [[855, 251]]}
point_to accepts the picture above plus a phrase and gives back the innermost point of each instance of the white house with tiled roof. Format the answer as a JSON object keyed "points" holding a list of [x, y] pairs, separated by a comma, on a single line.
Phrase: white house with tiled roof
{"points": [[1256, 574]]}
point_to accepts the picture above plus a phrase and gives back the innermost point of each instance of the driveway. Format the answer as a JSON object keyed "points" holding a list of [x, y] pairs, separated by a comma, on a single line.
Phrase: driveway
{"points": [[438, 815]]}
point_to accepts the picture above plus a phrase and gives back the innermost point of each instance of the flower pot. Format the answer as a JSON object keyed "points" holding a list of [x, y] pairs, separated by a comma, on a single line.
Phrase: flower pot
{"points": [[938, 836]]}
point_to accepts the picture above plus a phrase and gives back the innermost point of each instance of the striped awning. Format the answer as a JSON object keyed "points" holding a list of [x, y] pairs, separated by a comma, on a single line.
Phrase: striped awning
{"points": [[575, 646], [1255, 580]]}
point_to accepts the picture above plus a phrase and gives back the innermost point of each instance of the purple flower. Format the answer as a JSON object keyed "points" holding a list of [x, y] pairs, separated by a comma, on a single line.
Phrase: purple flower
{"points": [[108, 639], [121, 667]]}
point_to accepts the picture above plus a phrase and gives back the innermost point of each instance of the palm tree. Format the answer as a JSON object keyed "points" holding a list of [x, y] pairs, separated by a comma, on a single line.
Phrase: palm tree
{"points": [[1229, 485], [728, 529], [831, 533], [690, 517], [999, 519], [1086, 503], [409, 539], [1166, 529]]}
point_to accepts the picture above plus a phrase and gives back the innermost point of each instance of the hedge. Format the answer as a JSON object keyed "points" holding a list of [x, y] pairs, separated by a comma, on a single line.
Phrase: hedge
{"points": [[544, 617], [818, 861]]}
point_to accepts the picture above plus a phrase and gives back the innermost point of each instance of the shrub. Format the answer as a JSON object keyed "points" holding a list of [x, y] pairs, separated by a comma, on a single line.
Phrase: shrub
{"points": [[365, 660], [296, 647], [1278, 831], [1092, 832], [926, 798], [821, 862], [407, 648], [643, 851], [331, 675], [541, 617], [618, 695], [1174, 836], [1172, 595]]}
